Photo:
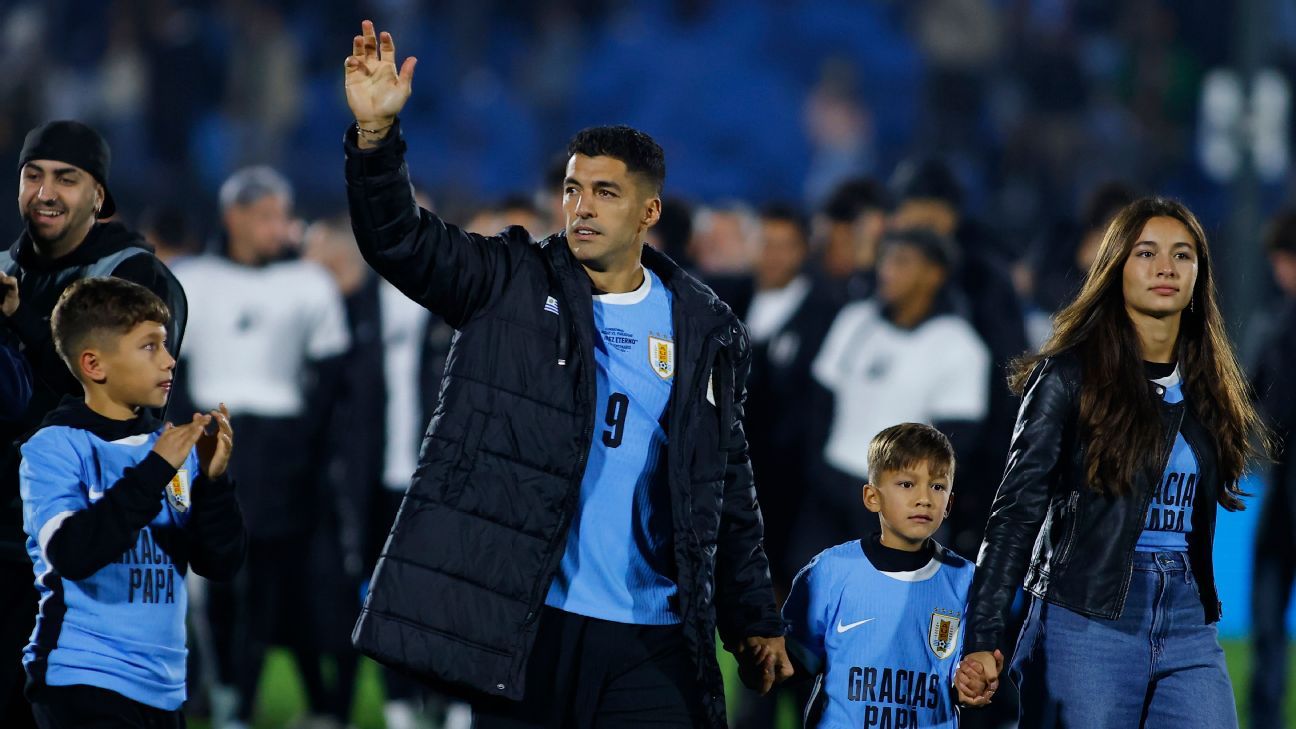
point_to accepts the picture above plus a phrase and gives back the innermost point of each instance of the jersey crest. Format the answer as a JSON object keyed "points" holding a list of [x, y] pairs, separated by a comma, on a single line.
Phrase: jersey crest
{"points": [[661, 355], [177, 492], [943, 634]]}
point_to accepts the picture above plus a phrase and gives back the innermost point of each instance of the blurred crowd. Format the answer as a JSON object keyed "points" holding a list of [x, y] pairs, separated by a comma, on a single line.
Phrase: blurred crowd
{"points": [[1033, 102], [792, 190]]}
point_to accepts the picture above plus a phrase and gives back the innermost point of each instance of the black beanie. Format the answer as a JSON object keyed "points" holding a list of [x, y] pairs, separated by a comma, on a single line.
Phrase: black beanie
{"points": [[76, 144]]}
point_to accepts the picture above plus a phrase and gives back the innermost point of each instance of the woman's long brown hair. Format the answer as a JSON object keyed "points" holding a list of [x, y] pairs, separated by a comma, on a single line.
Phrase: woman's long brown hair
{"points": [[1119, 416]]}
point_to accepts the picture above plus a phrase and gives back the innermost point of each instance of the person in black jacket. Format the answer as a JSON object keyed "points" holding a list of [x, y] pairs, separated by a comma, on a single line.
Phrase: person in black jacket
{"points": [[581, 521], [63, 198], [268, 337], [393, 367], [929, 195], [1274, 558], [1135, 424], [787, 316]]}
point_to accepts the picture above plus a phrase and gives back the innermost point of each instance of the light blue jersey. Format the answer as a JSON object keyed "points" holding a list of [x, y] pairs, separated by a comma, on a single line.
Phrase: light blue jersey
{"points": [[618, 564], [1169, 514], [886, 643], [123, 627]]}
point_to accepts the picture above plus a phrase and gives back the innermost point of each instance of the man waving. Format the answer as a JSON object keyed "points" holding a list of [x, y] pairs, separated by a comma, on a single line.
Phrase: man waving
{"points": [[582, 518]]}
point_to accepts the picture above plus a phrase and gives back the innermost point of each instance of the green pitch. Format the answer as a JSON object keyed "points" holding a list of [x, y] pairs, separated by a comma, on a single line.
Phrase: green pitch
{"points": [[282, 698]]}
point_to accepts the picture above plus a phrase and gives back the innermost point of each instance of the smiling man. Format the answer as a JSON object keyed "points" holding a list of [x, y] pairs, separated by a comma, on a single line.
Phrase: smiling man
{"points": [[582, 518], [63, 198]]}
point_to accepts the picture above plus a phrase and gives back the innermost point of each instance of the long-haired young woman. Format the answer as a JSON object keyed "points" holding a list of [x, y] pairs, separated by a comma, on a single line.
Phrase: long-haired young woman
{"points": [[1135, 424]]}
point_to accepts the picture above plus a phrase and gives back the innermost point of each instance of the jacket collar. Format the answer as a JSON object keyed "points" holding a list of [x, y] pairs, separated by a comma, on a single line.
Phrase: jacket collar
{"points": [[103, 239], [694, 298]]}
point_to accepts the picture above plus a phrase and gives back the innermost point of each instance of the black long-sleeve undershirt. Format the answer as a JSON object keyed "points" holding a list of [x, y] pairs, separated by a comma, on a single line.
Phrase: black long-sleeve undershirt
{"points": [[96, 536]]}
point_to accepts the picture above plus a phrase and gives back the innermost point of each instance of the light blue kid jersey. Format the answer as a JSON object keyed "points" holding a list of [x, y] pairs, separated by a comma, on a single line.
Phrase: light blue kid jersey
{"points": [[886, 643], [618, 564], [1169, 513], [123, 627]]}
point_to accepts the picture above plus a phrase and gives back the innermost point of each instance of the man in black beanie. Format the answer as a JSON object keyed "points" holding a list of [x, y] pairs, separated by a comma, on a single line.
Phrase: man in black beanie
{"points": [[63, 198]]}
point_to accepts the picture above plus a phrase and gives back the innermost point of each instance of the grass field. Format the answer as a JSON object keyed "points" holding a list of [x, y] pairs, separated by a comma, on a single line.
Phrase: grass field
{"points": [[282, 698]]}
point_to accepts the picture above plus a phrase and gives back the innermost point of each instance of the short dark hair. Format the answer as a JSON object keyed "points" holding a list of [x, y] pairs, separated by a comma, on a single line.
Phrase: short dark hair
{"points": [[1280, 234], [854, 197], [167, 223], [927, 178], [906, 445], [675, 227], [556, 172], [1105, 202], [94, 308], [641, 155], [937, 248], [787, 213], [517, 201]]}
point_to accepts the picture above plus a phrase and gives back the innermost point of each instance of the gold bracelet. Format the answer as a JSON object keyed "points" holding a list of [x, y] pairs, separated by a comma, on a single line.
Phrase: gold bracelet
{"points": [[374, 131]]}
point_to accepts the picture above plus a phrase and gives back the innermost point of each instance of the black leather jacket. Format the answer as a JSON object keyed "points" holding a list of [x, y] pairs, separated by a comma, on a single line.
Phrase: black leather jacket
{"points": [[1073, 546]]}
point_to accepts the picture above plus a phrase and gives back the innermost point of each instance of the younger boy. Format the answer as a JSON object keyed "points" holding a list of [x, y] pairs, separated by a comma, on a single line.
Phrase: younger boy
{"points": [[877, 620], [117, 507]]}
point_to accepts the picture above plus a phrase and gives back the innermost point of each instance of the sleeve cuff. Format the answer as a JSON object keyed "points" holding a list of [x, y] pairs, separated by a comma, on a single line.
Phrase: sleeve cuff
{"points": [[214, 488], [154, 472], [979, 647], [387, 156]]}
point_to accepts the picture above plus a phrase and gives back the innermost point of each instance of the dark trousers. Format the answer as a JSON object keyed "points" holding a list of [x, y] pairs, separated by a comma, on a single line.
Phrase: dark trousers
{"points": [[17, 618], [1271, 585], [268, 603], [586, 673], [332, 609], [90, 707]]}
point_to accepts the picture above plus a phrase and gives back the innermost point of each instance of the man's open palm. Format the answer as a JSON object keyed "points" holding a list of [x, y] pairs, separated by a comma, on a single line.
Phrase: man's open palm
{"points": [[375, 91]]}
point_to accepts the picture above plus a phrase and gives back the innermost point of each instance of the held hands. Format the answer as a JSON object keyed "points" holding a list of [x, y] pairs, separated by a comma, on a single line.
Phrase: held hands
{"points": [[977, 677], [215, 447], [763, 663], [8, 295], [375, 91]]}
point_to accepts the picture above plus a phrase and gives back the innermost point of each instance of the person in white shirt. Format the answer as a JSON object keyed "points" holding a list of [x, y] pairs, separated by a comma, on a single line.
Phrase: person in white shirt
{"points": [[267, 332], [905, 355]]}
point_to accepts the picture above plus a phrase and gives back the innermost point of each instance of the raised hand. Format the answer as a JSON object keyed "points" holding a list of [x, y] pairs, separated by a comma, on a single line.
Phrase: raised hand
{"points": [[375, 91], [214, 449], [176, 442]]}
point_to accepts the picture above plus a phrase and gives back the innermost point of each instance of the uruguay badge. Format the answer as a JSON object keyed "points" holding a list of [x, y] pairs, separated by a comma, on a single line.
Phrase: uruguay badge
{"points": [[661, 355], [177, 492], [943, 635]]}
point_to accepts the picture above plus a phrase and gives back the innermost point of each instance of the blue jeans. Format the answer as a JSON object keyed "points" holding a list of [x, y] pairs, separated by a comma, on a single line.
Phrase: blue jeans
{"points": [[1158, 666]]}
